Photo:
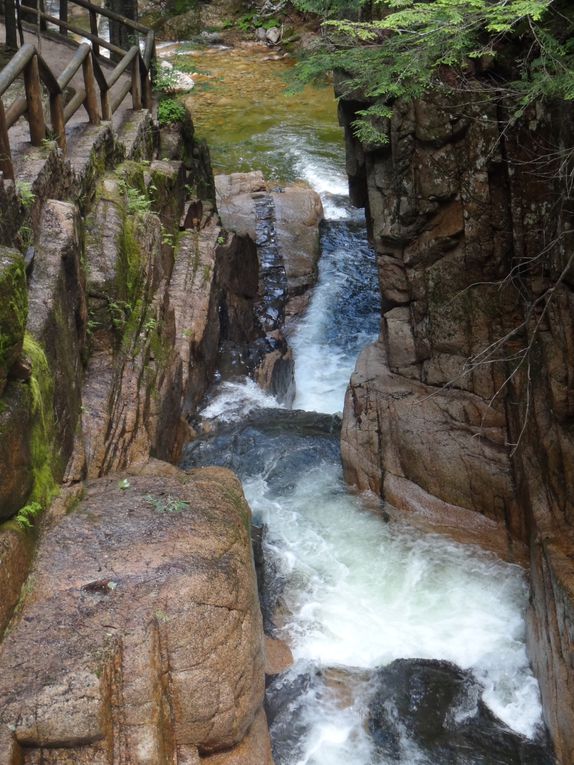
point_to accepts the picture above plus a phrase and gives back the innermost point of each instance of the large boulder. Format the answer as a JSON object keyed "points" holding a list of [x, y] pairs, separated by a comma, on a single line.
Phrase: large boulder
{"points": [[296, 212], [437, 455], [140, 637], [435, 708]]}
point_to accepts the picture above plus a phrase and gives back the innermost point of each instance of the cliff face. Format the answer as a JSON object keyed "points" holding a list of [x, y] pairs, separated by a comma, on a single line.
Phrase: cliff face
{"points": [[147, 642], [461, 414]]}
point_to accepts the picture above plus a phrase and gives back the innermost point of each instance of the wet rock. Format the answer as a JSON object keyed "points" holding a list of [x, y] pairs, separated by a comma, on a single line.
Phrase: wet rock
{"points": [[278, 656], [16, 420], [293, 225], [212, 38], [270, 585], [251, 447], [298, 213], [147, 592], [436, 707], [284, 706], [469, 465], [453, 205], [13, 310]]}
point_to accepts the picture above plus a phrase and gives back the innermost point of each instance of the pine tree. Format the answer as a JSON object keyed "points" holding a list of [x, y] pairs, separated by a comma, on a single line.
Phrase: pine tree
{"points": [[407, 47]]}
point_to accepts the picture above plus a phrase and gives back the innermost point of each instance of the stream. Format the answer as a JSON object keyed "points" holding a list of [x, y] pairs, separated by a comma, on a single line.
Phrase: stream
{"points": [[372, 610]]}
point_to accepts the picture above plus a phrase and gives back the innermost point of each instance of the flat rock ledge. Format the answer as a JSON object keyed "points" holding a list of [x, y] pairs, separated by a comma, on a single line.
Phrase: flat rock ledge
{"points": [[138, 638]]}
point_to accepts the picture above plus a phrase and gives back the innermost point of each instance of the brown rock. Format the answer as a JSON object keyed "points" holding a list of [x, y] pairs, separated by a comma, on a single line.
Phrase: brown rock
{"points": [[298, 213], [278, 656], [442, 418], [397, 427], [16, 549], [58, 316], [147, 591], [255, 749], [15, 427]]}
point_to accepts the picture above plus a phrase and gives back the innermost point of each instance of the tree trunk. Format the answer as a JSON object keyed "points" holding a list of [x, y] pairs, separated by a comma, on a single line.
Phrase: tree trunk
{"points": [[120, 35], [10, 24]]}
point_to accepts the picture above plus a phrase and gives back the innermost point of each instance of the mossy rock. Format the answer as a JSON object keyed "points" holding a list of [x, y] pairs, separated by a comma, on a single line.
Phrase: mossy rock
{"points": [[13, 309], [183, 26], [16, 419]]}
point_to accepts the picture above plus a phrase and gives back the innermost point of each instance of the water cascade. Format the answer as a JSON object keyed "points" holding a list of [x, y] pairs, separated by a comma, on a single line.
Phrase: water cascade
{"points": [[349, 592]]}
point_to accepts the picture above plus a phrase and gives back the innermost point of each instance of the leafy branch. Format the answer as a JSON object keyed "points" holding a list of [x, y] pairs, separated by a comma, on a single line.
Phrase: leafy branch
{"points": [[418, 45]]}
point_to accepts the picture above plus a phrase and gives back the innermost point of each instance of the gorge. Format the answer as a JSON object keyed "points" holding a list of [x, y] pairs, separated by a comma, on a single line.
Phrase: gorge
{"points": [[411, 612]]}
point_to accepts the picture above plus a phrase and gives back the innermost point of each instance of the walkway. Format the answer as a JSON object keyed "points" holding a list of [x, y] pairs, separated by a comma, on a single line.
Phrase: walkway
{"points": [[57, 53]]}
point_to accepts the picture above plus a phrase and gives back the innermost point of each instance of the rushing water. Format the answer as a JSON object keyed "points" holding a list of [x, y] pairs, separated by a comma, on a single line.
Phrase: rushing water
{"points": [[355, 593]]}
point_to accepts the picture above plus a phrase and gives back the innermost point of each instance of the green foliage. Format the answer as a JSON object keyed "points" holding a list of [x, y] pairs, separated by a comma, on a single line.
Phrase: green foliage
{"points": [[13, 308], [27, 514], [137, 201], [170, 111], [129, 272], [27, 196], [248, 22], [414, 46], [167, 504], [42, 439], [165, 80]]}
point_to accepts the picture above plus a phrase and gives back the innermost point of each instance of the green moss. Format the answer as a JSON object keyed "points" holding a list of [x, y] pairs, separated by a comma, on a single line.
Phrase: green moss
{"points": [[132, 174], [43, 453], [130, 265], [13, 305]]}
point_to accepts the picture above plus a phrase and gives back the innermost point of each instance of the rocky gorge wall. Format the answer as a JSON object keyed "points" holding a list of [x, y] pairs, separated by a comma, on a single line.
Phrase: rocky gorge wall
{"points": [[130, 624], [460, 415]]}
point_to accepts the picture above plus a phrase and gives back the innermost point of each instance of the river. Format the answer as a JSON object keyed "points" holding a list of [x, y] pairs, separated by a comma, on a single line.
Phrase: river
{"points": [[348, 591]]}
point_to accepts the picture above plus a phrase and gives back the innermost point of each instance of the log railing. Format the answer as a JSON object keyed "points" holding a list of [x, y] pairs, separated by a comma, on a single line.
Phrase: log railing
{"points": [[97, 78]]}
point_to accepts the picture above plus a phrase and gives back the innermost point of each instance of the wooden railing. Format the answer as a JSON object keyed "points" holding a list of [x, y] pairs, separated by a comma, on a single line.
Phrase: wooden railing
{"points": [[29, 63]]}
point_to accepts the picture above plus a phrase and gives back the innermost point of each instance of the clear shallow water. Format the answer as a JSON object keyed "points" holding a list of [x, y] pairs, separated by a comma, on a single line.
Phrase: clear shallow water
{"points": [[358, 593]]}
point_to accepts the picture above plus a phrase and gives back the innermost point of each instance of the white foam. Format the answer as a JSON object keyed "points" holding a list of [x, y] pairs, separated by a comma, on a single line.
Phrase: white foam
{"points": [[362, 594], [233, 400]]}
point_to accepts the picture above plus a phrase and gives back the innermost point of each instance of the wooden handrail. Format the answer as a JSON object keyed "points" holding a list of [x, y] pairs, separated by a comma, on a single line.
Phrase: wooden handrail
{"points": [[15, 66], [82, 33], [134, 64], [77, 60]]}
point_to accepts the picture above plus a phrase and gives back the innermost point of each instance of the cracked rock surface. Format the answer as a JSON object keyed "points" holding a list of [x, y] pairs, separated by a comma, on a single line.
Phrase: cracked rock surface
{"points": [[139, 639]]}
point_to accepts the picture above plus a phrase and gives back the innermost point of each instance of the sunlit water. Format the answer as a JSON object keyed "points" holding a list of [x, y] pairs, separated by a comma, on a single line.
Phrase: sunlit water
{"points": [[359, 593]]}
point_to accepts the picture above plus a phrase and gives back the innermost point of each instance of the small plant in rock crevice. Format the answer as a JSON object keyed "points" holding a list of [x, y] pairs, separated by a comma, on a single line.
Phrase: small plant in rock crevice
{"points": [[25, 193], [26, 515], [167, 503], [170, 111]]}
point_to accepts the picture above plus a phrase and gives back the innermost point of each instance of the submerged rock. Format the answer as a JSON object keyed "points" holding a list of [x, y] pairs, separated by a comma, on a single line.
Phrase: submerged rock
{"points": [[280, 443], [140, 637], [435, 707]]}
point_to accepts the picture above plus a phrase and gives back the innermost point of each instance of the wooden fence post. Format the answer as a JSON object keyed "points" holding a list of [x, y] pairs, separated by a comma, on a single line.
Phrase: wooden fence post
{"points": [[136, 94], [57, 119], [63, 14], [34, 102], [5, 155], [91, 102], [94, 30]]}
